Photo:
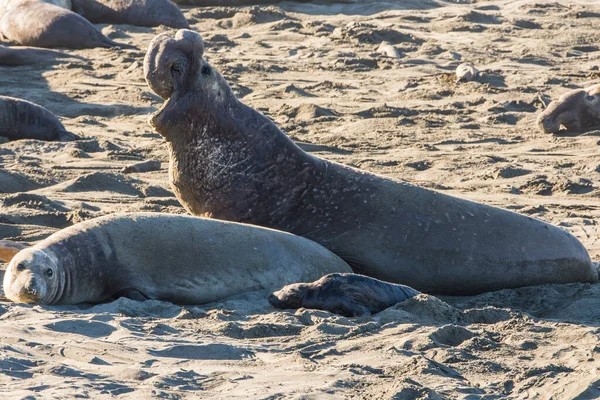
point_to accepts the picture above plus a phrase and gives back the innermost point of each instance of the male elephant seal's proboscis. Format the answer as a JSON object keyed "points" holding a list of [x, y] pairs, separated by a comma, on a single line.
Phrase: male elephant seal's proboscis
{"points": [[39, 24], [230, 162], [182, 259], [22, 119]]}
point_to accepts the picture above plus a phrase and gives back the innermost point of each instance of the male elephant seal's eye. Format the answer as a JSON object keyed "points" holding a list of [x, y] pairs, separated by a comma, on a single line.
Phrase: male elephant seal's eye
{"points": [[20, 267], [49, 273], [205, 70]]}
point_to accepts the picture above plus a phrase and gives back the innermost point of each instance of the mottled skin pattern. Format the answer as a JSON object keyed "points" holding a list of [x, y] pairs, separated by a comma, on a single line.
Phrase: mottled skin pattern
{"points": [[34, 23], [176, 258], [230, 162], [21, 119], [575, 110], [350, 295], [15, 56], [133, 12]]}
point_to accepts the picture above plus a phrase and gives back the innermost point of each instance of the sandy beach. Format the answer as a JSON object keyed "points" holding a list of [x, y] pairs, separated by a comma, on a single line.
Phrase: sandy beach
{"points": [[315, 69]]}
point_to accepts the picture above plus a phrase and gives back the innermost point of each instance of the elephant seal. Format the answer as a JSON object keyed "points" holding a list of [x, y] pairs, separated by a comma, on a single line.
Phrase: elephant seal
{"points": [[16, 56], [22, 119], [575, 110], [350, 295], [230, 162], [143, 166], [176, 258], [133, 12], [39, 24]]}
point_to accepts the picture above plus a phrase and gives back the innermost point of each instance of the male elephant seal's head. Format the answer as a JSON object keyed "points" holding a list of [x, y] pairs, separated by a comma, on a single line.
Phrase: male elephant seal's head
{"points": [[33, 276], [175, 70]]}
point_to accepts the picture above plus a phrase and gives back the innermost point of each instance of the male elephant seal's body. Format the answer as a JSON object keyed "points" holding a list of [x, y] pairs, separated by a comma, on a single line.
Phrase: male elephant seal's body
{"points": [[230, 162], [22, 119], [16, 56], [182, 259], [133, 12], [351, 295], [39, 24], [575, 110]]}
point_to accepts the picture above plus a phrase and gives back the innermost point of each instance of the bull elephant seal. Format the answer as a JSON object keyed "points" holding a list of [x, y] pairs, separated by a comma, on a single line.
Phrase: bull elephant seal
{"points": [[230, 162], [182, 259], [575, 110], [22, 119], [133, 12], [39, 24], [350, 295], [16, 56]]}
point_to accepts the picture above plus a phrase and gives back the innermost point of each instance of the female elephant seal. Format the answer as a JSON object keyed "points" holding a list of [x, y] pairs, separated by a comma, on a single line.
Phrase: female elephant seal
{"points": [[16, 56], [230, 162], [182, 259], [575, 110], [22, 119], [133, 12], [350, 295], [39, 24]]}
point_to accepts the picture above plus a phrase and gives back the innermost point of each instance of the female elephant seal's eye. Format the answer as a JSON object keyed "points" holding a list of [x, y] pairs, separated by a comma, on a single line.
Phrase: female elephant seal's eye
{"points": [[205, 70], [49, 273], [20, 267]]}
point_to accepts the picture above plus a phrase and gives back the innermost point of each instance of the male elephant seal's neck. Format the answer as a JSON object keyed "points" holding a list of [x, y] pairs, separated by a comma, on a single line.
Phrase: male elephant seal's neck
{"points": [[230, 162]]}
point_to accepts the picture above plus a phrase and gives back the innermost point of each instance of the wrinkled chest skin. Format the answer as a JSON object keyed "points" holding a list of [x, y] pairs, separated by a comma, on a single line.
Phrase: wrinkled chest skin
{"points": [[230, 162]]}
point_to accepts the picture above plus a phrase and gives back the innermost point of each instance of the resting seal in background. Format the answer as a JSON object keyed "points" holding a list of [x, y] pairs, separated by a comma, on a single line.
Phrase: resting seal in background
{"points": [[22, 119], [15, 56], [575, 110], [133, 12], [182, 259], [350, 295], [230, 162], [39, 24]]}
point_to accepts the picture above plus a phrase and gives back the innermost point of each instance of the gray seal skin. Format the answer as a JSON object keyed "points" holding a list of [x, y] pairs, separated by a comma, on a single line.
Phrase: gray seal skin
{"points": [[16, 56], [22, 119], [230, 162], [176, 258], [575, 110], [39, 24], [350, 295], [133, 12]]}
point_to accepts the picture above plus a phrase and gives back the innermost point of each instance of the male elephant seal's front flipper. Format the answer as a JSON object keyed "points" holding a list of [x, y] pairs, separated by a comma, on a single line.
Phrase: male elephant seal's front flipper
{"points": [[350, 295], [230, 162]]}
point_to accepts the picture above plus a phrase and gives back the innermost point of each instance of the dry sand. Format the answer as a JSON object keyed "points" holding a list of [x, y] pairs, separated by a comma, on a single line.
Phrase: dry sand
{"points": [[316, 71]]}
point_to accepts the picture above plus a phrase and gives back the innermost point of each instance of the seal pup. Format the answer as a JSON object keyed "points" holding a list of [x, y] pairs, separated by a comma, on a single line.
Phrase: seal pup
{"points": [[142, 166], [39, 24], [350, 295], [230, 162], [575, 110], [133, 12], [16, 56], [176, 258], [8, 249], [22, 119]]}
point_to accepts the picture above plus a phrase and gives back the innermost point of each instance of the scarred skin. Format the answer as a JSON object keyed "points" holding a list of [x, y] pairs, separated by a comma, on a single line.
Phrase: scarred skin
{"points": [[22, 119], [575, 110], [176, 258], [350, 295], [34, 23], [230, 162], [133, 12], [16, 56]]}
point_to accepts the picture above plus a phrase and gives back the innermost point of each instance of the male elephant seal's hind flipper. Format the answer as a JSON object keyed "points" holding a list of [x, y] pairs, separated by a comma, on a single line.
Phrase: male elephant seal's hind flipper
{"points": [[351, 295]]}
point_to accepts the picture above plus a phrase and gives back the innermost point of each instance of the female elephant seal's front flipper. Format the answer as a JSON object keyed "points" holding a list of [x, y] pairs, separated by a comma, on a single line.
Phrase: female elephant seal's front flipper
{"points": [[182, 259], [230, 162]]}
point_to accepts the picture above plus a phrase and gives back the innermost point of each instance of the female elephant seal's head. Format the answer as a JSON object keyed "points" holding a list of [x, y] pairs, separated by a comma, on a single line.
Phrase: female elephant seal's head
{"points": [[32, 277], [175, 70]]}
